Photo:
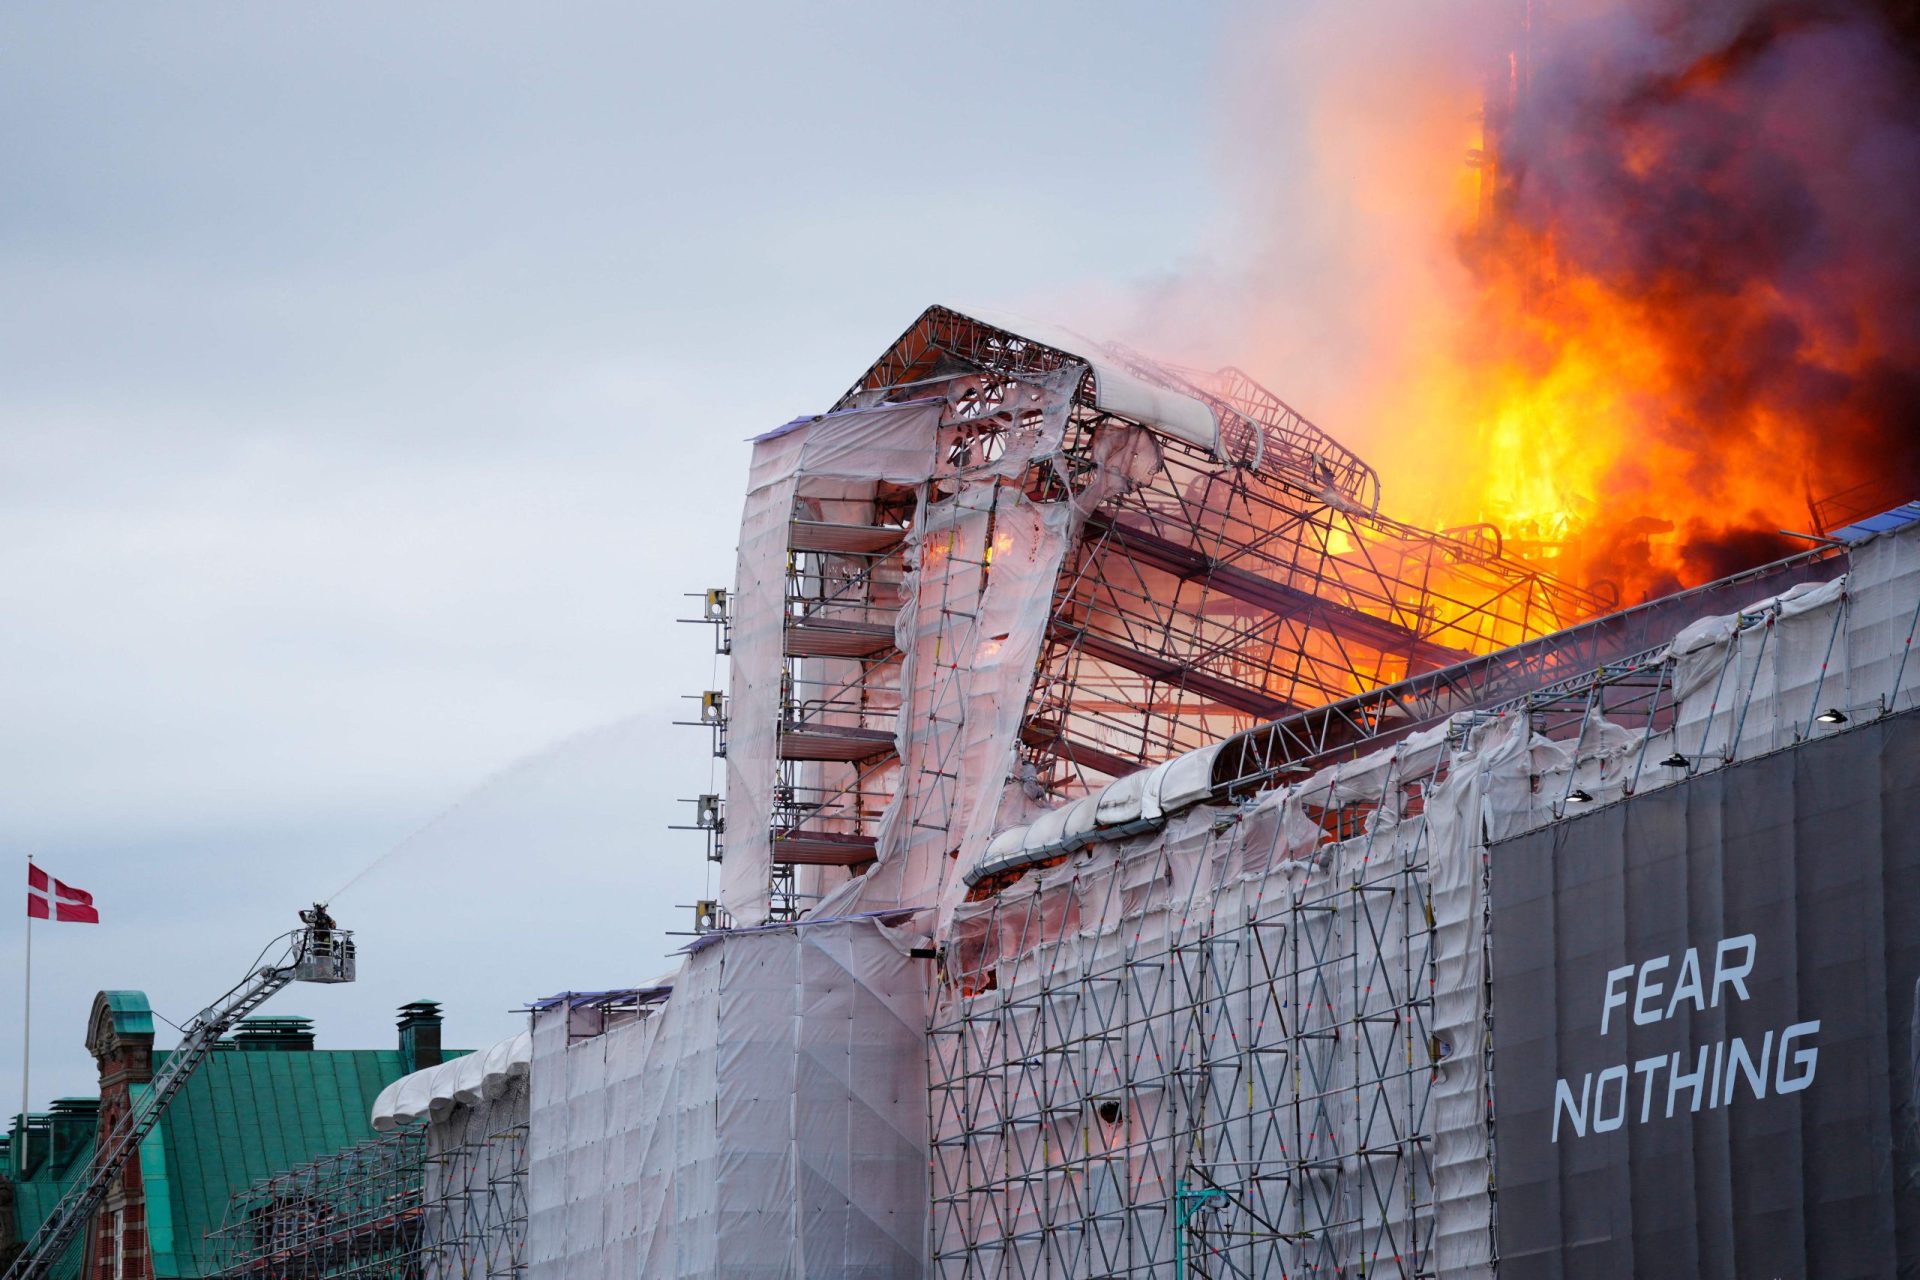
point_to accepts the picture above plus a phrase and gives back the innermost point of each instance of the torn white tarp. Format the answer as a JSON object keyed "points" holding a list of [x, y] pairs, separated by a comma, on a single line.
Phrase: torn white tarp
{"points": [[1116, 389]]}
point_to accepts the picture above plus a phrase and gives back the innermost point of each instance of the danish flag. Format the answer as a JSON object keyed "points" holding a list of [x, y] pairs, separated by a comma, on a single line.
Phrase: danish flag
{"points": [[48, 899]]}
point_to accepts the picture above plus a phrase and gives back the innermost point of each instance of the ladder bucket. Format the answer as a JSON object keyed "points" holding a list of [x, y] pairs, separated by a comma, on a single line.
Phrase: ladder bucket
{"points": [[324, 955]]}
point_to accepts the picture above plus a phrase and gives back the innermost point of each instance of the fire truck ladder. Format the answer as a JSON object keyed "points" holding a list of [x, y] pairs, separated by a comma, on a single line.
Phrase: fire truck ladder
{"points": [[315, 953]]}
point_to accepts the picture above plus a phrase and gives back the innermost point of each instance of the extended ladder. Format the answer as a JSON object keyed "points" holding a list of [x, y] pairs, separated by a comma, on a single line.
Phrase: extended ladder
{"points": [[313, 954]]}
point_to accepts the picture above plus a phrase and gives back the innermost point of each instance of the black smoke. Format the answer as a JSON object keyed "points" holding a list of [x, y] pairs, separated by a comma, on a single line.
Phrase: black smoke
{"points": [[1749, 175]]}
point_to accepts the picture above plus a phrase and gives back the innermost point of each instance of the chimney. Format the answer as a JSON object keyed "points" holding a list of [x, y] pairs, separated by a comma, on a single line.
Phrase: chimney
{"points": [[272, 1035], [420, 1034], [74, 1124]]}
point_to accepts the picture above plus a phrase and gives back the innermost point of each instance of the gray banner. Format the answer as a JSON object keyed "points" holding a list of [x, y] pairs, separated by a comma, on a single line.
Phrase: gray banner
{"points": [[1704, 1023]]}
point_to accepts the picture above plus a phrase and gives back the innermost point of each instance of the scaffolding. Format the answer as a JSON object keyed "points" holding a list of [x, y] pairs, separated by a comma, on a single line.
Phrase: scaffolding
{"points": [[1219, 588], [1223, 1083], [1252, 1037], [403, 1206], [355, 1213], [1630, 639], [476, 1210], [1205, 587]]}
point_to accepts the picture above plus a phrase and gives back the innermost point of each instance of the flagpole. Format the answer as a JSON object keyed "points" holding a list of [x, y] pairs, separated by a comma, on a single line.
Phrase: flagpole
{"points": [[26, 1038]]}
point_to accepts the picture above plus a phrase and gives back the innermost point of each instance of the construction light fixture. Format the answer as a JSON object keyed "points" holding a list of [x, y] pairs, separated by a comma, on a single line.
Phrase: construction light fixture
{"points": [[1832, 715], [1577, 796], [1677, 761]]}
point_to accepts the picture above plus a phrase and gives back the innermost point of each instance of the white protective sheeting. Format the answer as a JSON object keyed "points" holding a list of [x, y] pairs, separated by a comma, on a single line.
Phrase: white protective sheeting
{"points": [[1115, 388], [1751, 682], [970, 641], [1188, 779], [768, 1120], [463, 1081], [888, 442], [978, 568], [1490, 774], [1128, 966], [1080, 817], [1119, 801], [1230, 996]]}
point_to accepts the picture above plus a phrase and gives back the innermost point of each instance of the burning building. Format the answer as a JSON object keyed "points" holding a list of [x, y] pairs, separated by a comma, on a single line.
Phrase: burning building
{"points": [[1144, 853], [1141, 855]]}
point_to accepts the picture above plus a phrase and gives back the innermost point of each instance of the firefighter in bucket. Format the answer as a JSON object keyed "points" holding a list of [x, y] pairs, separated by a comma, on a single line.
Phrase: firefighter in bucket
{"points": [[324, 953]]}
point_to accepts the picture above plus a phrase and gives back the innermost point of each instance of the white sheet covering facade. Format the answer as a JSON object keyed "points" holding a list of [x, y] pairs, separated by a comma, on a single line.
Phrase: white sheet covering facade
{"points": [[769, 1119], [978, 564], [1231, 1039], [1218, 1042], [835, 460], [1245, 1039]]}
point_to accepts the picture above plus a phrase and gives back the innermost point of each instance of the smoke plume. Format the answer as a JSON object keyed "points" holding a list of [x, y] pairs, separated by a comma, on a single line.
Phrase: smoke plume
{"points": [[1636, 280]]}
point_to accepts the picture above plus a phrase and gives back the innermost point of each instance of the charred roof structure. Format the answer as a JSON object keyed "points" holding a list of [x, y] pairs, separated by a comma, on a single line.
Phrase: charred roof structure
{"points": [[1175, 557]]}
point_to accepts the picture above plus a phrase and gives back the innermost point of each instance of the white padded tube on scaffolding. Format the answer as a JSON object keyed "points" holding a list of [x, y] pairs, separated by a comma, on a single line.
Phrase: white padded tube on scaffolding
{"points": [[463, 1081]]}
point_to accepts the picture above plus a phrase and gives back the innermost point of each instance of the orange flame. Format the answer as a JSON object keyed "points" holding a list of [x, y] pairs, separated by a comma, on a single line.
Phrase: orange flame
{"points": [[1661, 413], [1663, 311]]}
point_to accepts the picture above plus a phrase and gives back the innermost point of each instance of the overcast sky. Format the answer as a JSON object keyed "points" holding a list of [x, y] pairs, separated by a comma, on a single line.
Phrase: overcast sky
{"points": [[375, 383]]}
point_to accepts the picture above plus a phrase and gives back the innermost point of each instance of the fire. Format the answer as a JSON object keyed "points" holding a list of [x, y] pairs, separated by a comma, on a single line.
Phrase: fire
{"points": [[1583, 450], [1679, 320]]}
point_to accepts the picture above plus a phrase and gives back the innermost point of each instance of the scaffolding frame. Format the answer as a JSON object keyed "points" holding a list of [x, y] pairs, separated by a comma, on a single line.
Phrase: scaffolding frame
{"points": [[1246, 1082], [355, 1213], [476, 1211], [1211, 599], [396, 1207], [1245, 1094], [1221, 590], [1298, 743], [1224, 590]]}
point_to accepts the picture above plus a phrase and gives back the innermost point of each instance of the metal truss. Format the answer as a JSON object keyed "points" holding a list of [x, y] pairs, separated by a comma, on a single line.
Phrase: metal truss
{"points": [[1254, 595], [1242, 1084], [1626, 640]]}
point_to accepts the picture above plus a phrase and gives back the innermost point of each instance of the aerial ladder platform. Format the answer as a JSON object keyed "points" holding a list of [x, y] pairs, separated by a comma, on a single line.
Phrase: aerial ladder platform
{"points": [[318, 951]]}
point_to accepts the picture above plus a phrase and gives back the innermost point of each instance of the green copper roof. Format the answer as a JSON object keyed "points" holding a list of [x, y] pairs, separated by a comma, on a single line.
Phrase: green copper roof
{"points": [[71, 1144], [132, 1015], [244, 1115]]}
